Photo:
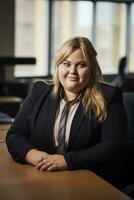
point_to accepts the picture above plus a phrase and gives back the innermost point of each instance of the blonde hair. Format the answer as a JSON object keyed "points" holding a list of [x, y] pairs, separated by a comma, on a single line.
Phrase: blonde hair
{"points": [[93, 101]]}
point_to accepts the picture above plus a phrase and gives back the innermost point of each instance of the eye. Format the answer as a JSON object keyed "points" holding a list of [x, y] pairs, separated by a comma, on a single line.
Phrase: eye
{"points": [[82, 65], [66, 64]]}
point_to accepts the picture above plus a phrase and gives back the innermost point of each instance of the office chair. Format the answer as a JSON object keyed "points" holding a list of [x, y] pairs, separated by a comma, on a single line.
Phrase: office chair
{"points": [[5, 118], [129, 150], [129, 106], [120, 78]]}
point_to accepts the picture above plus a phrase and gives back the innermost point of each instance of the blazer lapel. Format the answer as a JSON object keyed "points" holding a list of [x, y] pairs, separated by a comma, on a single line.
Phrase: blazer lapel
{"points": [[78, 118], [52, 108]]}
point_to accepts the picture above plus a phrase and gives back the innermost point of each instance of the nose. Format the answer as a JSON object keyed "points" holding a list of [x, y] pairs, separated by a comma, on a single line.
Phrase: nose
{"points": [[73, 69]]}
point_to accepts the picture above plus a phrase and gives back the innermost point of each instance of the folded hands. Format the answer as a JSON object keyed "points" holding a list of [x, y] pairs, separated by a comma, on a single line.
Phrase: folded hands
{"points": [[44, 161]]}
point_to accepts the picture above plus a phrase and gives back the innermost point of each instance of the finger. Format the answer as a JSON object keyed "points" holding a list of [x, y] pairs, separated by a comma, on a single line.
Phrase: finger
{"points": [[41, 162], [52, 168], [46, 166], [38, 166]]}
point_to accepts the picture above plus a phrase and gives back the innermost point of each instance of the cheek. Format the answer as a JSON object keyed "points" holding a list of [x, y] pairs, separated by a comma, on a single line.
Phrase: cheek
{"points": [[85, 75], [61, 74]]}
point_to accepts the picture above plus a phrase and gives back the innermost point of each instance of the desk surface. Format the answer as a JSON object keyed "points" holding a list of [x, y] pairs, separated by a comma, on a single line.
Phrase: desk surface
{"points": [[3, 131], [24, 182], [5, 127]]}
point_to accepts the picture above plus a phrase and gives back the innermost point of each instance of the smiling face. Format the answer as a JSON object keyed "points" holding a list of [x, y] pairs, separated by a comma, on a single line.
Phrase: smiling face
{"points": [[74, 73]]}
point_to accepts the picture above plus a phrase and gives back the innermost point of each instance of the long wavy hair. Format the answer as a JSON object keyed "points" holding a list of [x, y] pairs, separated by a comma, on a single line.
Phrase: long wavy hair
{"points": [[93, 101]]}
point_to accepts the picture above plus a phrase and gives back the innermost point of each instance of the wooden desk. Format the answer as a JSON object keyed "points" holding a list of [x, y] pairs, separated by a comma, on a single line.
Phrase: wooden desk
{"points": [[3, 130], [24, 182]]}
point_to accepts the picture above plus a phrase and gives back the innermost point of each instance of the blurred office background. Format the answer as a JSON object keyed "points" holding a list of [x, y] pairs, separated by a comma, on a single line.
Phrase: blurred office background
{"points": [[37, 28]]}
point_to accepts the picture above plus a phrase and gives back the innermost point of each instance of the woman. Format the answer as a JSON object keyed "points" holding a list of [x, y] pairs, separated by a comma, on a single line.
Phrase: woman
{"points": [[77, 122]]}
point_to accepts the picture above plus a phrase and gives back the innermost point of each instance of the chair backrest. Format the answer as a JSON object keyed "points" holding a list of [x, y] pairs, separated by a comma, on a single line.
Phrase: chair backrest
{"points": [[120, 77], [122, 65], [129, 106]]}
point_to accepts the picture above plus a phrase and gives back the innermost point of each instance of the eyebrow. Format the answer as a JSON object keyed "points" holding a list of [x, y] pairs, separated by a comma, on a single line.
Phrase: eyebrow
{"points": [[76, 62]]}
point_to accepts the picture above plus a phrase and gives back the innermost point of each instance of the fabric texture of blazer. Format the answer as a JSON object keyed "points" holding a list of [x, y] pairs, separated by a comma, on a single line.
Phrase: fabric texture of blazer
{"points": [[92, 145]]}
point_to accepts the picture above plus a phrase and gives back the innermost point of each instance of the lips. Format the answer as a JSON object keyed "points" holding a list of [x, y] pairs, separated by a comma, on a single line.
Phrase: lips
{"points": [[73, 78]]}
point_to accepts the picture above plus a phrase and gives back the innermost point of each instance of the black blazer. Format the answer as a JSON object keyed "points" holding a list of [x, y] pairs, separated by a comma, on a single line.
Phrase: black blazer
{"points": [[91, 145]]}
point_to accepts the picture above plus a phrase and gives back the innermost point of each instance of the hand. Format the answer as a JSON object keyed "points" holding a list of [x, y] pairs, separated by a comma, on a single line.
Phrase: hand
{"points": [[34, 156], [52, 163]]}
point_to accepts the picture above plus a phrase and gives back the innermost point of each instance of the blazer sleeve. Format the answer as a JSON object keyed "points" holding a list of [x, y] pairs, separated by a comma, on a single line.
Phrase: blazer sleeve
{"points": [[107, 152], [17, 139]]}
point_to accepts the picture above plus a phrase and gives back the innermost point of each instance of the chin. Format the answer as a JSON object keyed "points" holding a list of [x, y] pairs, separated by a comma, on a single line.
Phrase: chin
{"points": [[74, 89], [73, 86]]}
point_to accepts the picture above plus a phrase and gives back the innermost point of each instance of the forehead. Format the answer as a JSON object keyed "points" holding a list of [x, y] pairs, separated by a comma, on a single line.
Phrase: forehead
{"points": [[76, 55]]}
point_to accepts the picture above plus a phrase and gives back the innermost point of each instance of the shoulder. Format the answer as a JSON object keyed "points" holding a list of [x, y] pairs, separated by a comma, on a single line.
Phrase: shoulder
{"points": [[41, 88], [111, 93]]}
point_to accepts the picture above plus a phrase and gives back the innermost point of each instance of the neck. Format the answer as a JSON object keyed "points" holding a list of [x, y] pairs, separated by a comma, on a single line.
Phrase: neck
{"points": [[70, 95]]}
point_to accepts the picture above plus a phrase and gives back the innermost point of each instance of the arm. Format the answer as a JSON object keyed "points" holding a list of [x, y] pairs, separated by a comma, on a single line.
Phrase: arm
{"points": [[17, 139]]}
